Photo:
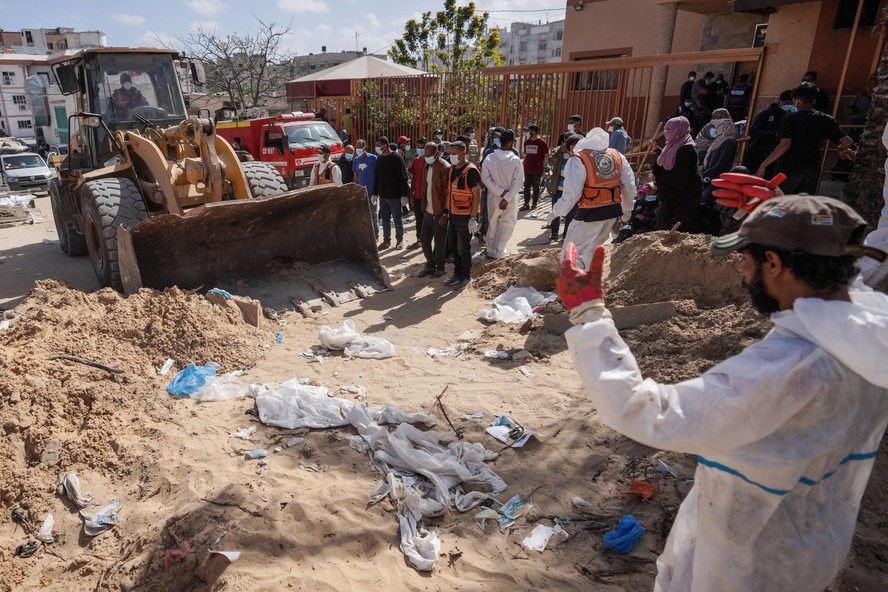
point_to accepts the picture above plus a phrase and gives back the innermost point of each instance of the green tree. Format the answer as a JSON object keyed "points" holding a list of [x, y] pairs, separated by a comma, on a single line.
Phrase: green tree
{"points": [[453, 39]]}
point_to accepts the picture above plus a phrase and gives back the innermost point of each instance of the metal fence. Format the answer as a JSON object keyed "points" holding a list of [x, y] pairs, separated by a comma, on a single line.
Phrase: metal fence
{"points": [[515, 96]]}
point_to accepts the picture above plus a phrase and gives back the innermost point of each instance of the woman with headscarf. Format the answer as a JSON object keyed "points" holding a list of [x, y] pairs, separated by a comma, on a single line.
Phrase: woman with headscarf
{"points": [[677, 177], [707, 135], [719, 156]]}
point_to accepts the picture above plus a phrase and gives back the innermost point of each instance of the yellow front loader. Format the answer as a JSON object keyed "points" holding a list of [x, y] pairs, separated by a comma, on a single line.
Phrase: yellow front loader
{"points": [[157, 199]]}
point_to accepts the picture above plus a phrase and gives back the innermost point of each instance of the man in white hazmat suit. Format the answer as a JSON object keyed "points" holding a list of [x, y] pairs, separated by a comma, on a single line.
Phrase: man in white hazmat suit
{"points": [[786, 432], [600, 181], [503, 175], [873, 272]]}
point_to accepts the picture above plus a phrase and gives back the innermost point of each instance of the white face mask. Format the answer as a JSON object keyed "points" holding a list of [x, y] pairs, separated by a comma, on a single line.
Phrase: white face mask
{"points": [[610, 128], [454, 159], [127, 85], [571, 127]]}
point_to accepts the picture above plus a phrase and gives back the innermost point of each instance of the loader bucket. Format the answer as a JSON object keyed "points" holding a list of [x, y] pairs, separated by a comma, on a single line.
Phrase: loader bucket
{"points": [[305, 248]]}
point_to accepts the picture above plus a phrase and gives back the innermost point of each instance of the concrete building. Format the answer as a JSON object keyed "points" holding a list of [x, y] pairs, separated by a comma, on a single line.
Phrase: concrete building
{"points": [[798, 36], [50, 40], [315, 62], [30, 53], [526, 43]]}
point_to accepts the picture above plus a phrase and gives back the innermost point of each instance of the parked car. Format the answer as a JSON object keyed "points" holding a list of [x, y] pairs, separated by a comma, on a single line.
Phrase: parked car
{"points": [[25, 172]]}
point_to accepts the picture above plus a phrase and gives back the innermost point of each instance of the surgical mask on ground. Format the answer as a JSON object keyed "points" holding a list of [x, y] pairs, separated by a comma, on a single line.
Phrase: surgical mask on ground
{"points": [[349, 156], [713, 132], [359, 151], [127, 85], [497, 143], [454, 159], [430, 159], [379, 150], [790, 108], [571, 127], [610, 129]]}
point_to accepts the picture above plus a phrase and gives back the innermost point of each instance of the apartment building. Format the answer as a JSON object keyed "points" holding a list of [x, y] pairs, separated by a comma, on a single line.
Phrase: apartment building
{"points": [[31, 106], [526, 43]]}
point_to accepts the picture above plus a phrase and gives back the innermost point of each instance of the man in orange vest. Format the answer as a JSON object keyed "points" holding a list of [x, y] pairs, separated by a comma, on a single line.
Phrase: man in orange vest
{"points": [[463, 203], [601, 183], [325, 172]]}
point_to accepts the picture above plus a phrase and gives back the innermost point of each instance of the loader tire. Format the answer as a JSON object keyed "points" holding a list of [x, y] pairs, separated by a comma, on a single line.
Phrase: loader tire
{"points": [[71, 240], [107, 204], [264, 180]]}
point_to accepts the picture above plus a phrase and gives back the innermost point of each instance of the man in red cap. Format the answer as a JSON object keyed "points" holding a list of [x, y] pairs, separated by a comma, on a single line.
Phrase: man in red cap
{"points": [[786, 432]]}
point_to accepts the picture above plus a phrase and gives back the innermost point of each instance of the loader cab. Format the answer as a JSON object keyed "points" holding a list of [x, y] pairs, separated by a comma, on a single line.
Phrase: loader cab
{"points": [[129, 90]]}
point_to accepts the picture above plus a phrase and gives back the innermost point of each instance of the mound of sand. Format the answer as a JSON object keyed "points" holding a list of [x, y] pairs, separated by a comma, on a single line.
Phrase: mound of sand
{"points": [[662, 266], [493, 277], [59, 414]]}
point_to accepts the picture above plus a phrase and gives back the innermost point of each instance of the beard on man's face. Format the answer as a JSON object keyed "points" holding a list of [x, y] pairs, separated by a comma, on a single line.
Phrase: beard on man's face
{"points": [[758, 294]]}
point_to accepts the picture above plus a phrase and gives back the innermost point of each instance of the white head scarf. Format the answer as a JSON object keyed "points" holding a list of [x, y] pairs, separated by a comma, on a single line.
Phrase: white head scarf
{"points": [[597, 139]]}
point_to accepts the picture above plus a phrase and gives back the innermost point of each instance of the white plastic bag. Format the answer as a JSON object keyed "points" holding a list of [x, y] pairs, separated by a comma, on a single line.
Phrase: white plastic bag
{"points": [[370, 347], [224, 388], [516, 305], [45, 532], [338, 338]]}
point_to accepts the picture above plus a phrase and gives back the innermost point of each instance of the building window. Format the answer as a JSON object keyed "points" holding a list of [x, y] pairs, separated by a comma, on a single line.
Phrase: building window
{"points": [[847, 10], [557, 52], [542, 45], [44, 76], [559, 35], [29, 39], [19, 100], [522, 48], [8, 78], [24, 124], [48, 45], [598, 80]]}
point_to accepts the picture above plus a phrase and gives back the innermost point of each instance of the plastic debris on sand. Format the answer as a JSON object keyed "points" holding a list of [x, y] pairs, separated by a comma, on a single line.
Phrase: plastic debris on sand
{"points": [[626, 537], [540, 536], [347, 339], [517, 305]]}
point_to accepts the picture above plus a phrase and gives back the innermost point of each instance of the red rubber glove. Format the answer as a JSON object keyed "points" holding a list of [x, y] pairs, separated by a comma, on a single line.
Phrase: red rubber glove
{"points": [[745, 192], [576, 286]]}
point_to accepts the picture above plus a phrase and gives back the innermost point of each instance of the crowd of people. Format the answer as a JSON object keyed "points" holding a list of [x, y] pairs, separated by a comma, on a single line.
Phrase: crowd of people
{"points": [[460, 190]]}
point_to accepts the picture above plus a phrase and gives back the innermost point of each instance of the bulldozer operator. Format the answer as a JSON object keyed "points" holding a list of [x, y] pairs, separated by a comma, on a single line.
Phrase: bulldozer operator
{"points": [[127, 97]]}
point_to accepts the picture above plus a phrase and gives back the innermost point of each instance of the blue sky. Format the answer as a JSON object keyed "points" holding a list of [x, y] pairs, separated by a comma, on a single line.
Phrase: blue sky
{"points": [[315, 22]]}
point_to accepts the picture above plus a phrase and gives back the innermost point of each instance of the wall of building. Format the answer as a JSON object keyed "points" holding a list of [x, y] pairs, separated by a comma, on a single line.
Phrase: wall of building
{"points": [[11, 112], [828, 53], [789, 41], [541, 43]]}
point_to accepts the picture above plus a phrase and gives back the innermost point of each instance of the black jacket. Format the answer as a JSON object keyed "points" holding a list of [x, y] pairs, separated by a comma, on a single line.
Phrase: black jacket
{"points": [[391, 177], [763, 131], [721, 160]]}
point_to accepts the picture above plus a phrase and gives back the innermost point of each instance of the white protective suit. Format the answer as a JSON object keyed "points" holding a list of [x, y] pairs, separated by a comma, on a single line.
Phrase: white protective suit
{"points": [[786, 434], [586, 236], [502, 171], [871, 271]]}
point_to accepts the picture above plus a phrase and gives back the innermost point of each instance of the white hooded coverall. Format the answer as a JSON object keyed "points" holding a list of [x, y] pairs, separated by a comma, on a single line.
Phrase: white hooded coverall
{"points": [[873, 273], [502, 171], [786, 433], [586, 236]]}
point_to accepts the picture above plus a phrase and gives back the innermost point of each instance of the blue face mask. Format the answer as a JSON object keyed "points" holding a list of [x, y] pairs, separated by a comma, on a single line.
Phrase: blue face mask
{"points": [[379, 150], [790, 108], [348, 156], [430, 159], [359, 151], [472, 136], [497, 143], [713, 132]]}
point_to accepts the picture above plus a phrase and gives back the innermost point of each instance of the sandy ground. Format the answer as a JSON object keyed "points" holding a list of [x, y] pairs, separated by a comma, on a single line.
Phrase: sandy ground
{"points": [[179, 476]]}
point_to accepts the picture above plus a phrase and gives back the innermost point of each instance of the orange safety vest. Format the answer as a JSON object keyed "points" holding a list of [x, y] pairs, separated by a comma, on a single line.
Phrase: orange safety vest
{"points": [[602, 185], [327, 178], [461, 201]]}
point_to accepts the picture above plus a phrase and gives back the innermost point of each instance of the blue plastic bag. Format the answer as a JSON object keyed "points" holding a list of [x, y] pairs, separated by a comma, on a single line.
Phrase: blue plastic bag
{"points": [[191, 378], [626, 537]]}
